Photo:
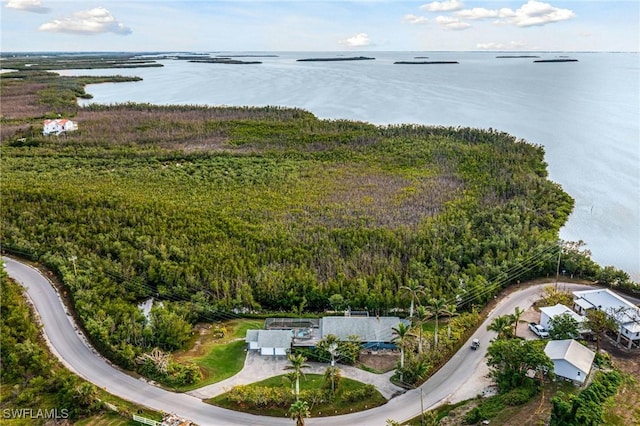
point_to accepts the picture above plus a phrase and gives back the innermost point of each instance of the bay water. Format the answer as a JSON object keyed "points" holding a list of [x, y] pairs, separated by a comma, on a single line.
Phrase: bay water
{"points": [[586, 114]]}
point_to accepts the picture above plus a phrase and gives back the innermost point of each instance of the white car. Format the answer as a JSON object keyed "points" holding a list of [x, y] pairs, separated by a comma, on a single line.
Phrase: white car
{"points": [[538, 330]]}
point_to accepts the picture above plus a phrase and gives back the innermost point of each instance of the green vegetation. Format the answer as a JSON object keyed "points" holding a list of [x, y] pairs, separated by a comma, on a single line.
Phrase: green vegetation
{"points": [[586, 407], [34, 62], [275, 395], [510, 360], [219, 352], [421, 354], [222, 362], [490, 407]]}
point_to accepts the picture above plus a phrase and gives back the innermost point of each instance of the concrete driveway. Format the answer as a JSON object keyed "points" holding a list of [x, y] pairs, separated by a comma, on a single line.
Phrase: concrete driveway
{"points": [[257, 367]]}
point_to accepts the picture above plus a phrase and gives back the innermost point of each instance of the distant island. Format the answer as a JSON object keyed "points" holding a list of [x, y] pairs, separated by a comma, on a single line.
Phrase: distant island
{"points": [[517, 56], [225, 60], [556, 60], [425, 62], [420, 57], [353, 58], [246, 56]]}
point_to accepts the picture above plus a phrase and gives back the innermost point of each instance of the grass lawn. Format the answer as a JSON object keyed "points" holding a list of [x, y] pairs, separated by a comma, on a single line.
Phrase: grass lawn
{"points": [[107, 419], [310, 381], [218, 358]]}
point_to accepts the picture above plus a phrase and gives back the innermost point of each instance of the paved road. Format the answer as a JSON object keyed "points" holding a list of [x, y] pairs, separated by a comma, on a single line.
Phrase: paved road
{"points": [[459, 379]]}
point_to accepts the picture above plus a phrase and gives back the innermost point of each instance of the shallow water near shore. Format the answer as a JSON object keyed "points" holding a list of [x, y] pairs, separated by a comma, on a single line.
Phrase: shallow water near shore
{"points": [[585, 114]]}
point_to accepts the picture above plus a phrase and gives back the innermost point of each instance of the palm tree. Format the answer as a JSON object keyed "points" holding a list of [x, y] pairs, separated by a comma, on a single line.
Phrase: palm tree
{"points": [[516, 319], [402, 333], [332, 375], [421, 316], [297, 364], [437, 307], [450, 310], [414, 289], [298, 411], [502, 325]]}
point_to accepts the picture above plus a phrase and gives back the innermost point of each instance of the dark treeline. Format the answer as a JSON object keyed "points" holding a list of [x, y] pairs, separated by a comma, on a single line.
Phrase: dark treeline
{"points": [[216, 210]]}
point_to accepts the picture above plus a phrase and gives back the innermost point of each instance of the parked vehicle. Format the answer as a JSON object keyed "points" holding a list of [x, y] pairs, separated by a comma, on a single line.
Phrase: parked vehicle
{"points": [[538, 330], [475, 344]]}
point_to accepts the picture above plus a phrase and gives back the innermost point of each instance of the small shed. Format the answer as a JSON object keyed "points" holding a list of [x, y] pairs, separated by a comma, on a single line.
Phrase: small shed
{"points": [[548, 312], [571, 360]]}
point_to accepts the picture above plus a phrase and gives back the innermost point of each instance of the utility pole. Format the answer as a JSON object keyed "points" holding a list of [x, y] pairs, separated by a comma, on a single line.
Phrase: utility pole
{"points": [[558, 266], [421, 409]]}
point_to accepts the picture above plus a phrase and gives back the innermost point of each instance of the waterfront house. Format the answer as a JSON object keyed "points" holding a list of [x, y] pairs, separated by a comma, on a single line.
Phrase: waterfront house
{"points": [[58, 126], [624, 313]]}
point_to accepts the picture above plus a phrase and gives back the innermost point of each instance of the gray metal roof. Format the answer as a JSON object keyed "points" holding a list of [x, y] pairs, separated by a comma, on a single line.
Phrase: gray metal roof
{"points": [[274, 338], [368, 329], [560, 309], [571, 351], [252, 336]]}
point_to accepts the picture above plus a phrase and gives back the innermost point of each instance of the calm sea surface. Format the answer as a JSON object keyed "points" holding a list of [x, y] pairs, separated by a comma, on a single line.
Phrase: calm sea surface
{"points": [[586, 114]]}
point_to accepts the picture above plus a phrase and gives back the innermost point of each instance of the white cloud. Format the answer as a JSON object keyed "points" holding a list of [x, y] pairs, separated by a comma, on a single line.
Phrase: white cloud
{"points": [[501, 46], [442, 6], [452, 23], [478, 13], [95, 21], [358, 40], [27, 5], [529, 14], [415, 20], [538, 13]]}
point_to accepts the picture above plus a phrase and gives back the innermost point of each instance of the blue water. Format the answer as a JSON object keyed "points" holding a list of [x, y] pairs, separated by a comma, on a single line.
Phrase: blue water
{"points": [[586, 114]]}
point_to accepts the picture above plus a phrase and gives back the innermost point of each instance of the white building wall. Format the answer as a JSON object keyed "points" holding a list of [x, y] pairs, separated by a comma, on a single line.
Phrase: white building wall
{"points": [[544, 320], [273, 351], [565, 369]]}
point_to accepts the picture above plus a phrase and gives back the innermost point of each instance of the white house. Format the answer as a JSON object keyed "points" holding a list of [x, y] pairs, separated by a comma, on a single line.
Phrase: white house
{"points": [[625, 313], [58, 126], [549, 312], [571, 360], [281, 334], [269, 342]]}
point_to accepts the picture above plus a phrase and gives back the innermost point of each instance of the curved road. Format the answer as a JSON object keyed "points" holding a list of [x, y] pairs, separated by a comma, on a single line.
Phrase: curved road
{"points": [[460, 378]]}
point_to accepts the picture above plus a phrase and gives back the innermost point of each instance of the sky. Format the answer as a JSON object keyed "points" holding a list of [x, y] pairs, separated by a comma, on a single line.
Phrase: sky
{"points": [[308, 25]]}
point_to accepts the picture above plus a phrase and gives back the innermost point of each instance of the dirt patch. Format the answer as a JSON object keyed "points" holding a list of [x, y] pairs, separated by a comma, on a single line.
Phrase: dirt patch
{"points": [[627, 360], [202, 334], [381, 362]]}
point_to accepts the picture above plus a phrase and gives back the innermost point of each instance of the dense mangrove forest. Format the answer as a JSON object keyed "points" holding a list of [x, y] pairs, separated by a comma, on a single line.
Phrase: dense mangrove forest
{"points": [[218, 211]]}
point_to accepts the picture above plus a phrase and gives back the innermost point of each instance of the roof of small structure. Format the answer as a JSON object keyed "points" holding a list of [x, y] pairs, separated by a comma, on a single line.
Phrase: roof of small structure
{"points": [[571, 351], [252, 336], [274, 338], [368, 329], [560, 309]]}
